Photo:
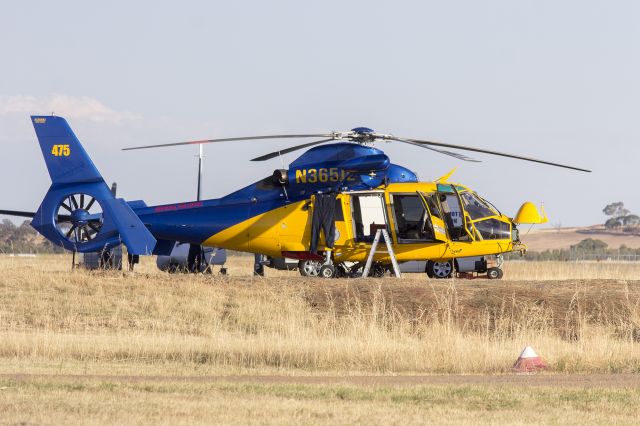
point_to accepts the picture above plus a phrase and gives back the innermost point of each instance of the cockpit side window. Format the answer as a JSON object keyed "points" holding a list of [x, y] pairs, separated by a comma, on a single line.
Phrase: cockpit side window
{"points": [[432, 202], [452, 216], [475, 207], [493, 229], [411, 218]]}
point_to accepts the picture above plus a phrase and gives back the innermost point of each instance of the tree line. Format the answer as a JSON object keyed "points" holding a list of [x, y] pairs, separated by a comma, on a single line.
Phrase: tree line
{"points": [[23, 239], [621, 219], [588, 248]]}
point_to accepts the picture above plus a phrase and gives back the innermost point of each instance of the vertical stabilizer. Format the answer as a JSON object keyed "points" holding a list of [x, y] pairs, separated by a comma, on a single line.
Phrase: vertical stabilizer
{"points": [[66, 159]]}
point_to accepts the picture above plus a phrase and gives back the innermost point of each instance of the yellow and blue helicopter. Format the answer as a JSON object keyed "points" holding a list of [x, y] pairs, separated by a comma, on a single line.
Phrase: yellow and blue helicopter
{"points": [[324, 210]]}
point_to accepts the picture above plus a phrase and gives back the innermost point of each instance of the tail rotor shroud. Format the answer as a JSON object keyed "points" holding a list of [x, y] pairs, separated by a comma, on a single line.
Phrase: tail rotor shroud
{"points": [[79, 218]]}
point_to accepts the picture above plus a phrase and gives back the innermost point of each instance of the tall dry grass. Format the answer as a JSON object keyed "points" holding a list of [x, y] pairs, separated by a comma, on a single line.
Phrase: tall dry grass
{"points": [[583, 270], [287, 323]]}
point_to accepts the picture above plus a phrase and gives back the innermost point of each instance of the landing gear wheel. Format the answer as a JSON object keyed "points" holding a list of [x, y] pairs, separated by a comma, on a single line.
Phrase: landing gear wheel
{"points": [[327, 271], [494, 273], [439, 270], [309, 268]]}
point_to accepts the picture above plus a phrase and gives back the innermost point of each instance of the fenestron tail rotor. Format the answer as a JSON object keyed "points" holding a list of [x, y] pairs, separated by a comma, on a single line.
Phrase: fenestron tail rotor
{"points": [[365, 135], [79, 218]]}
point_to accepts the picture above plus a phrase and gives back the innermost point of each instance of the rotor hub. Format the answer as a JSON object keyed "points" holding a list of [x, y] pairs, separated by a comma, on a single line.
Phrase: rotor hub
{"points": [[80, 217], [360, 135], [362, 130]]}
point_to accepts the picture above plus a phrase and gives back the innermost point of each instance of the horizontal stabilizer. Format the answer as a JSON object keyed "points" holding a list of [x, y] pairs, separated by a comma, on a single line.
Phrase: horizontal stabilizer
{"points": [[134, 234], [17, 213]]}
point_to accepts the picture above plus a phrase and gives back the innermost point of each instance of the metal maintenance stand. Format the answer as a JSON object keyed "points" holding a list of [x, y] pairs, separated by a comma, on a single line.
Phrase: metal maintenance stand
{"points": [[374, 246]]}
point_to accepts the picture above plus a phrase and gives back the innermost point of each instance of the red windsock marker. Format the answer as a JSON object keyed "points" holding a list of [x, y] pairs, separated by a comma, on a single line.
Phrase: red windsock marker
{"points": [[529, 361]]}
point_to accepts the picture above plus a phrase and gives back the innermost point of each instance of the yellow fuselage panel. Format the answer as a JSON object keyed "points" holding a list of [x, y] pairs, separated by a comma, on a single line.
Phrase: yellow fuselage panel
{"points": [[288, 228]]}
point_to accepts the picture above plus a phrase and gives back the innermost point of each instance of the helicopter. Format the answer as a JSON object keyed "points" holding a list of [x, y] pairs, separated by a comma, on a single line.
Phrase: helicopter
{"points": [[324, 210]]}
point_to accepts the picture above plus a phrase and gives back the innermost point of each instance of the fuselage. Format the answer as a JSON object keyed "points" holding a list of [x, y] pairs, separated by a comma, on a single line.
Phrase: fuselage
{"points": [[426, 220]]}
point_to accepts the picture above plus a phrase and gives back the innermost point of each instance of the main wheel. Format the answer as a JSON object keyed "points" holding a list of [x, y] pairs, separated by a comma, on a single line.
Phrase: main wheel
{"points": [[309, 268], [439, 270], [327, 271], [494, 273]]}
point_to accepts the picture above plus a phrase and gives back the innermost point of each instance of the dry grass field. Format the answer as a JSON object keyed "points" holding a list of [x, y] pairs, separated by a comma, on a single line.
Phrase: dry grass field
{"points": [[149, 347]]}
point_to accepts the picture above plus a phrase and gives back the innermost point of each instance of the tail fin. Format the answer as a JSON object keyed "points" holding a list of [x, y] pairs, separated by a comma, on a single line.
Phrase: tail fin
{"points": [[66, 159], [63, 217]]}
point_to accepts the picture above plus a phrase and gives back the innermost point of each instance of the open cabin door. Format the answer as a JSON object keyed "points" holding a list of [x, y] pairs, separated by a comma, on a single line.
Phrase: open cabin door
{"points": [[368, 213], [434, 216]]}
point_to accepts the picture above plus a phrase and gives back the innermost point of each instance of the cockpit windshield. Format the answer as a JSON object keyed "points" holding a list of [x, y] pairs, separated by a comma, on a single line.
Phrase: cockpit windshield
{"points": [[476, 207]]}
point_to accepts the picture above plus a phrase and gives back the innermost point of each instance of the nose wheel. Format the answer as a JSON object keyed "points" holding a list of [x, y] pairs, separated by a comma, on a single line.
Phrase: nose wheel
{"points": [[327, 271], [494, 273]]}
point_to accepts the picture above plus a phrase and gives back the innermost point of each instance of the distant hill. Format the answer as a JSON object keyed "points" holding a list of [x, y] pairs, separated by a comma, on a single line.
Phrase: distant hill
{"points": [[23, 239], [563, 238]]}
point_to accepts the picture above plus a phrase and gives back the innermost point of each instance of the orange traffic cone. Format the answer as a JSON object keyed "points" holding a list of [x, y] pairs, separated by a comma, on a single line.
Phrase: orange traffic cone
{"points": [[529, 361]]}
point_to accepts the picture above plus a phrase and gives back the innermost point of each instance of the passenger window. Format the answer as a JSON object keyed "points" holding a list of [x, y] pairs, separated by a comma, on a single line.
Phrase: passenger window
{"points": [[411, 218], [368, 216]]}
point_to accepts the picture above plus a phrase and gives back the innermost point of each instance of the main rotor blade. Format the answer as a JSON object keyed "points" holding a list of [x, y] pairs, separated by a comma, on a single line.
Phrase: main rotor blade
{"points": [[244, 138], [449, 153], [290, 149], [486, 151]]}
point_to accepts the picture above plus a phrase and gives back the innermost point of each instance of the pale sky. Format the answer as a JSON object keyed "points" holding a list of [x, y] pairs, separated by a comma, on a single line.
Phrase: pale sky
{"points": [[557, 80]]}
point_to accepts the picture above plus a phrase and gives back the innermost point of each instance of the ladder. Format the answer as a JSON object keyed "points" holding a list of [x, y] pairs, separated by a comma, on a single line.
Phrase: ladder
{"points": [[374, 246]]}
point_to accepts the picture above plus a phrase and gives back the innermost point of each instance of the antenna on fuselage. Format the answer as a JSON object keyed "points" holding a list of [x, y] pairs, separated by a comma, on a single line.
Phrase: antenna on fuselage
{"points": [[196, 256], [200, 158]]}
